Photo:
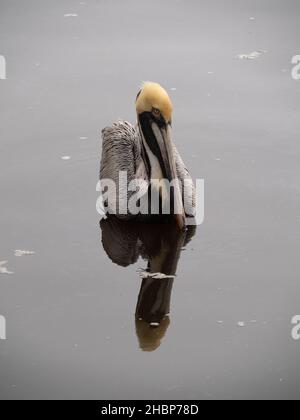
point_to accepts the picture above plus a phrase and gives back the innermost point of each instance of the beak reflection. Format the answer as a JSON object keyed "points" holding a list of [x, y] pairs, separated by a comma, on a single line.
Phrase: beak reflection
{"points": [[161, 246]]}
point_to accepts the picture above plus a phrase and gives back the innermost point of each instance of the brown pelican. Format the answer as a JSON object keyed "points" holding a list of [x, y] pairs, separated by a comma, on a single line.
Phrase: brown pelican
{"points": [[146, 152]]}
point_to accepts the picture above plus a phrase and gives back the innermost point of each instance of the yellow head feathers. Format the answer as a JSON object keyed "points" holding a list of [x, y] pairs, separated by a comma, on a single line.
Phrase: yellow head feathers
{"points": [[152, 95]]}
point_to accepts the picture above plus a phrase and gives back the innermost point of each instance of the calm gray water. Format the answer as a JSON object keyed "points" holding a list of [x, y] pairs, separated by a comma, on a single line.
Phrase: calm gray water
{"points": [[70, 310]]}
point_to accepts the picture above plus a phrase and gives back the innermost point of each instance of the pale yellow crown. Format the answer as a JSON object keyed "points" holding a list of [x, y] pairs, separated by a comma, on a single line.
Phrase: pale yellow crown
{"points": [[152, 95]]}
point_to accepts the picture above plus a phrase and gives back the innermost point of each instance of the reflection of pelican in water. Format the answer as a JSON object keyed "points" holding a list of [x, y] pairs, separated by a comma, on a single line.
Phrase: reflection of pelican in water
{"points": [[160, 245], [147, 153]]}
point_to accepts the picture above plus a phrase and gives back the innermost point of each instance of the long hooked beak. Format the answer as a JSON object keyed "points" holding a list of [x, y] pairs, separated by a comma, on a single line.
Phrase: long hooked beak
{"points": [[159, 140]]}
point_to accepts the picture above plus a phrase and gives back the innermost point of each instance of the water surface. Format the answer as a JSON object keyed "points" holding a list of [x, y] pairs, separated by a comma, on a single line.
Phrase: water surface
{"points": [[72, 310]]}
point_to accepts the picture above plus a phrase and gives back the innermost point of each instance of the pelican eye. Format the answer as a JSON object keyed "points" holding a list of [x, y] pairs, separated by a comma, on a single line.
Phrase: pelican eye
{"points": [[156, 113]]}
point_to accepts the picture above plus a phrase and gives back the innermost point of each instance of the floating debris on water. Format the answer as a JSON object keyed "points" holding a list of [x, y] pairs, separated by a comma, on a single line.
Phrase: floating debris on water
{"points": [[65, 157], [173, 88], [241, 324], [21, 253], [83, 138], [70, 15], [154, 324], [146, 275], [252, 18], [252, 56], [4, 270]]}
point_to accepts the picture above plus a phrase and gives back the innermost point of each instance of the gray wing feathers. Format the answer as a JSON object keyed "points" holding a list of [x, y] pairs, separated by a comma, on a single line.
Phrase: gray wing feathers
{"points": [[188, 193], [121, 151]]}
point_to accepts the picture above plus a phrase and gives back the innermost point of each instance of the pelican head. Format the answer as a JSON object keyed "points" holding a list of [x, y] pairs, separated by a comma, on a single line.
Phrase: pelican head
{"points": [[154, 113]]}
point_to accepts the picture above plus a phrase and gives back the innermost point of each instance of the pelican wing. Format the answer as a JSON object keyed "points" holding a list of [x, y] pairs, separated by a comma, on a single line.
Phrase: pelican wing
{"points": [[121, 151], [188, 193]]}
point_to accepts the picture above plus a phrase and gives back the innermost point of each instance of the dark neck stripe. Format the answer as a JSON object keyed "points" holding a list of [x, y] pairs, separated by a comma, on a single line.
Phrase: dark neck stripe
{"points": [[145, 120]]}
